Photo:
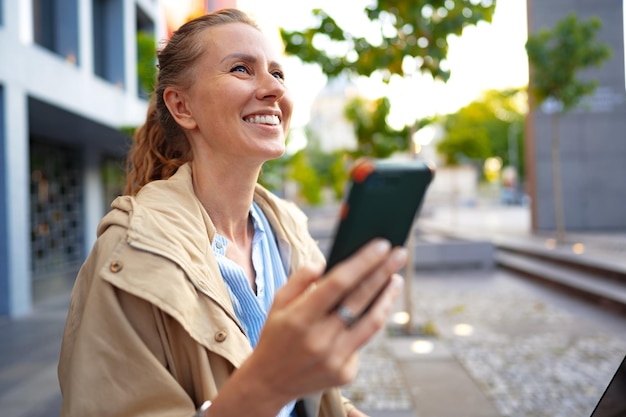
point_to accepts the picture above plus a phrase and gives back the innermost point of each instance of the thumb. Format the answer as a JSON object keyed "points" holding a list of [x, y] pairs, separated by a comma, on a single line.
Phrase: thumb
{"points": [[297, 284]]}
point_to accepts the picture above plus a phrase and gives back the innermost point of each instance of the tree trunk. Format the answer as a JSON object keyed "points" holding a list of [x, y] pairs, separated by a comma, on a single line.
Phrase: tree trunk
{"points": [[556, 180], [408, 284], [410, 268]]}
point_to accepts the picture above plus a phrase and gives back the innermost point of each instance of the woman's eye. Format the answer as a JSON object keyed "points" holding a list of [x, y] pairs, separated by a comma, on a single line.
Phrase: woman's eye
{"points": [[239, 68], [279, 75]]}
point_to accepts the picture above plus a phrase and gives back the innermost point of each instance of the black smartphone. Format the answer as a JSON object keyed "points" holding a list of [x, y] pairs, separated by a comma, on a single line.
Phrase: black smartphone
{"points": [[382, 200]]}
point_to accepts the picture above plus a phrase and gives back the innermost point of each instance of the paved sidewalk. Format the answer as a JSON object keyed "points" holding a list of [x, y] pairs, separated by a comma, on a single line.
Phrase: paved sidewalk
{"points": [[29, 351], [505, 346]]}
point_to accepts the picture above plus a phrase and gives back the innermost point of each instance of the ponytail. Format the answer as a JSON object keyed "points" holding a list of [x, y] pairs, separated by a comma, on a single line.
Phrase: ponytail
{"points": [[154, 155]]}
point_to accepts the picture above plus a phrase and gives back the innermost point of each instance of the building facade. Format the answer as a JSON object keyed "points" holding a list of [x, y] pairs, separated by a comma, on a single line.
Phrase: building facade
{"points": [[593, 145], [68, 86]]}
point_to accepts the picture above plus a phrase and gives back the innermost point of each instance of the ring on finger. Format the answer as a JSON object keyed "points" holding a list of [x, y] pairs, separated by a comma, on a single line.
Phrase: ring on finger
{"points": [[346, 315]]}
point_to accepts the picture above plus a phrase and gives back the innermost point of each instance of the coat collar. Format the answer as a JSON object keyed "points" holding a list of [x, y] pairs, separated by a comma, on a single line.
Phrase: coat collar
{"points": [[166, 218]]}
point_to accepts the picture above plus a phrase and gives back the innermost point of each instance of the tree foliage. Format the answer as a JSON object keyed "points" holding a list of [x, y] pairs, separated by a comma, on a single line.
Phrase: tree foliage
{"points": [[316, 170], [375, 138], [484, 127], [312, 169], [146, 62], [557, 56], [413, 29]]}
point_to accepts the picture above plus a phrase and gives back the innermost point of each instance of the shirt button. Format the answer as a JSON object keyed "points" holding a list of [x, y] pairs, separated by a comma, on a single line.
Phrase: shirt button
{"points": [[218, 245], [220, 336], [116, 266]]}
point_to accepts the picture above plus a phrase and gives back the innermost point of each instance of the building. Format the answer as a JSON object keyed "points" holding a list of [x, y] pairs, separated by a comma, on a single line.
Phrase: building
{"points": [[68, 85], [328, 124], [593, 147]]}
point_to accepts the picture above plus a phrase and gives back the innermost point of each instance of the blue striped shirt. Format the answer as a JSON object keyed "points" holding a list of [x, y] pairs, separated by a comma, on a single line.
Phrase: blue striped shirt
{"points": [[251, 309]]}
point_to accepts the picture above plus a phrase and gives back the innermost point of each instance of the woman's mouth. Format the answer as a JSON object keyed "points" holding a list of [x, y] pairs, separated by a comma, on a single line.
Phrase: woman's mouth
{"points": [[265, 119]]}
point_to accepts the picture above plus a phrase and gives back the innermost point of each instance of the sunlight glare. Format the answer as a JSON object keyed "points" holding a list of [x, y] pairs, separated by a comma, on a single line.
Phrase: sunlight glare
{"points": [[422, 347], [401, 317], [578, 248], [463, 329]]}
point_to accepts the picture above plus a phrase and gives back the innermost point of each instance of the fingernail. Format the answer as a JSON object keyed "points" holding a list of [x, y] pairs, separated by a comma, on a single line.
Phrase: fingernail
{"points": [[382, 246], [397, 282], [401, 254]]}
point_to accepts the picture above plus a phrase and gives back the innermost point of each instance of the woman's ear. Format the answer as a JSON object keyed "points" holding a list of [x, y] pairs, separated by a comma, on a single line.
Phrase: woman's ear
{"points": [[176, 103]]}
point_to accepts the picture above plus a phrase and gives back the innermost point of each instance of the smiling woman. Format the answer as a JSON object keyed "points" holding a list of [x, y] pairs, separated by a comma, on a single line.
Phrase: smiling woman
{"points": [[203, 290]]}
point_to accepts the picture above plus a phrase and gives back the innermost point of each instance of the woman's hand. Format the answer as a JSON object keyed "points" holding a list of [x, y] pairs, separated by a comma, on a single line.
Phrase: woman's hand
{"points": [[305, 346]]}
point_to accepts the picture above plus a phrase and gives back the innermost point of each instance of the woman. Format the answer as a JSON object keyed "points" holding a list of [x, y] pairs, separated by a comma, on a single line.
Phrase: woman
{"points": [[167, 311]]}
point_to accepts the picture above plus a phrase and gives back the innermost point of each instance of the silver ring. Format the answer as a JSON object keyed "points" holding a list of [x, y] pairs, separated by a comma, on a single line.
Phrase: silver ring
{"points": [[346, 315]]}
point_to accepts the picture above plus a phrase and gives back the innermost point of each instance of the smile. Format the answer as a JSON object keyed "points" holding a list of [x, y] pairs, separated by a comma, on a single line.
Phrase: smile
{"points": [[272, 120]]}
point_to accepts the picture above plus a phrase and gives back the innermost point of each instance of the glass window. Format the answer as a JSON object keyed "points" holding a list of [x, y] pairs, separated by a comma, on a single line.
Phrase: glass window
{"points": [[108, 40], [146, 54], [55, 26]]}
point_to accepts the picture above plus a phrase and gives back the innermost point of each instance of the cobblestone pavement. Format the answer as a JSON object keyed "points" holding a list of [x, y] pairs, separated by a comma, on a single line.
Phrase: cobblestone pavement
{"points": [[380, 384], [532, 352], [532, 357]]}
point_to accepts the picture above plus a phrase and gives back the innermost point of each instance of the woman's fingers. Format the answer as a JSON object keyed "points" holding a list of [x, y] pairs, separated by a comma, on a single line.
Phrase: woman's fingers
{"points": [[368, 289], [375, 317], [298, 283], [346, 276]]}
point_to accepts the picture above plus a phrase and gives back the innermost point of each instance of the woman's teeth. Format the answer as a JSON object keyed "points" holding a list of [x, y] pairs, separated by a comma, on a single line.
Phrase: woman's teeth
{"points": [[265, 119]]}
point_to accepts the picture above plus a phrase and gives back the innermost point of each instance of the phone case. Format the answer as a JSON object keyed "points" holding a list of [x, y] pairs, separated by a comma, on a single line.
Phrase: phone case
{"points": [[383, 200]]}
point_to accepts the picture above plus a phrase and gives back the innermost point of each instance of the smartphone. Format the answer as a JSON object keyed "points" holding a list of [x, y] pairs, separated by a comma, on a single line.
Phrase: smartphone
{"points": [[382, 200]]}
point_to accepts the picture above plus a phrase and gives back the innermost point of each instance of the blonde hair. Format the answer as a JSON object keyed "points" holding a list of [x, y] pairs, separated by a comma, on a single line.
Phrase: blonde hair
{"points": [[160, 146]]}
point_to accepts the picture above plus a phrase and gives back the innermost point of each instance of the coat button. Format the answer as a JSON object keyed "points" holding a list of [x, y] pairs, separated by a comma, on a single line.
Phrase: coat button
{"points": [[220, 336], [116, 266]]}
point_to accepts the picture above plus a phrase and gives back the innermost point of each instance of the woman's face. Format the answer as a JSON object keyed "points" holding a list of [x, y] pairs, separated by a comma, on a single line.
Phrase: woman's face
{"points": [[237, 99]]}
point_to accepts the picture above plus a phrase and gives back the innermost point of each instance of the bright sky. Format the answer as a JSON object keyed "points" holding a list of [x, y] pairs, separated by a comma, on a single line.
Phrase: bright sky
{"points": [[490, 56]]}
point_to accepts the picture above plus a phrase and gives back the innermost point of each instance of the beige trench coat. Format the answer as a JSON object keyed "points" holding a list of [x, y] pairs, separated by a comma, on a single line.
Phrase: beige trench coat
{"points": [[151, 330]]}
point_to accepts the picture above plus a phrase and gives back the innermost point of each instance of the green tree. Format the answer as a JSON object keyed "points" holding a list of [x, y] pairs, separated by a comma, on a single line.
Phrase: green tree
{"points": [[146, 70], [311, 168], [146, 62], [489, 126], [407, 37], [406, 29], [557, 57], [470, 142], [412, 38], [314, 170], [375, 138]]}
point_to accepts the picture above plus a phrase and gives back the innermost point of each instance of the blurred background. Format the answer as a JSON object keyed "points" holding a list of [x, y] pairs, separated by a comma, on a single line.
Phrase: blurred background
{"points": [[441, 81], [519, 103]]}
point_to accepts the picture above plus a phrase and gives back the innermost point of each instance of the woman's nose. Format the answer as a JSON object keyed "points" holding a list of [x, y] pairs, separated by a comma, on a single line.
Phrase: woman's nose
{"points": [[270, 87]]}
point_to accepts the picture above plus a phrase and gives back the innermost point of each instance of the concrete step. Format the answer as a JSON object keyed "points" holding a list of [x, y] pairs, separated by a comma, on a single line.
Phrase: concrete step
{"points": [[440, 253], [599, 285], [612, 269]]}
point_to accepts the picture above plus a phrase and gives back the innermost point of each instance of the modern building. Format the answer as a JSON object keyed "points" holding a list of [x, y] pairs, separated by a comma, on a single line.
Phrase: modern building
{"points": [[68, 86], [592, 138]]}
